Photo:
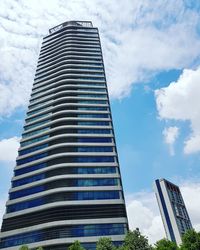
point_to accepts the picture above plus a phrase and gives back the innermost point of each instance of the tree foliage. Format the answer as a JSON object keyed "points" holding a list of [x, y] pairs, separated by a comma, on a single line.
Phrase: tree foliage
{"points": [[134, 240], [165, 244], [76, 246], [191, 240], [105, 244], [24, 248]]}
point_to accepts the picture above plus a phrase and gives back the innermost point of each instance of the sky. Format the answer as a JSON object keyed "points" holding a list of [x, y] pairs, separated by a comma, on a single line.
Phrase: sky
{"points": [[152, 62]]}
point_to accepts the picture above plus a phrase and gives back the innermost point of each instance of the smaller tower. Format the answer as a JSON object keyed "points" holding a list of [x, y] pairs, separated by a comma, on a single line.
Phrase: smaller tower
{"points": [[173, 210]]}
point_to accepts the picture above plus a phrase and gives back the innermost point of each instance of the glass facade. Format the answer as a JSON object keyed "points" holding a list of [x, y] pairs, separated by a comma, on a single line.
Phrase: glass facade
{"points": [[67, 166]]}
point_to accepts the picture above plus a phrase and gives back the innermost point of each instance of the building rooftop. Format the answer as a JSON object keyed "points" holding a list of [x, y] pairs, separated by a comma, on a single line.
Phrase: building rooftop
{"points": [[71, 23]]}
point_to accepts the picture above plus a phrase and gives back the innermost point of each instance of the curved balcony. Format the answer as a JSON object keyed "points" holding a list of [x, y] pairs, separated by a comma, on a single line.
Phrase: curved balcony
{"points": [[81, 37], [66, 47], [71, 72], [72, 53], [62, 59], [80, 67], [67, 61], [72, 86], [72, 42], [63, 94]]}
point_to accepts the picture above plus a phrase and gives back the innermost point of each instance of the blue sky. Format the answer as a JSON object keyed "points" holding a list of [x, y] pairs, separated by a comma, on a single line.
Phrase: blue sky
{"points": [[152, 58]]}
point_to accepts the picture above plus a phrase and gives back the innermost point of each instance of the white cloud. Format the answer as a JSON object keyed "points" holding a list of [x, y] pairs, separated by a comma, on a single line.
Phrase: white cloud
{"points": [[8, 149], [170, 135], [180, 101], [138, 40], [143, 212], [2, 209]]}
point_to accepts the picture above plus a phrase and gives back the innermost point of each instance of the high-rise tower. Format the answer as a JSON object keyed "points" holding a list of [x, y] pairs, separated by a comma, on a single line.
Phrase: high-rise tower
{"points": [[66, 183], [173, 210]]}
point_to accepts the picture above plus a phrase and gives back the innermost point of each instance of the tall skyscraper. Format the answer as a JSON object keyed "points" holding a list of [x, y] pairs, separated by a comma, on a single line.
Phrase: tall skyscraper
{"points": [[173, 211], [66, 183]]}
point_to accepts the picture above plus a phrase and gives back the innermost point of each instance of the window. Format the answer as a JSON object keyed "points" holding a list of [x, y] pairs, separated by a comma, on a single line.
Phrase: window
{"points": [[29, 150], [64, 183], [27, 180], [62, 171], [41, 138], [92, 170], [35, 132], [27, 191], [92, 139], [95, 159], [85, 195], [96, 123], [93, 108], [93, 131], [36, 124], [93, 115], [92, 89], [93, 101], [95, 149], [29, 169], [92, 95], [38, 110], [63, 232], [37, 117], [31, 158]]}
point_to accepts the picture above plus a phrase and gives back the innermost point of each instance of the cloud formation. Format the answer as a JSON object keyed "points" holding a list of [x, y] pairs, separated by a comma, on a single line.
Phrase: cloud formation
{"points": [[8, 149], [143, 210], [170, 135], [180, 101], [138, 39]]}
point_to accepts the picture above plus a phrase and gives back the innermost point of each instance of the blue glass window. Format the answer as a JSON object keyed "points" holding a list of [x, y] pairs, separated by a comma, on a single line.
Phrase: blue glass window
{"points": [[92, 89], [27, 180], [29, 150], [95, 159], [75, 170], [93, 101], [97, 139], [61, 232], [85, 195], [93, 131], [95, 149], [36, 125], [100, 170], [29, 169], [41, 138], [38, 110], [99, 123], [35, 132], [96, 182], [39, 104], [71, 183], [37, 117], [92, 95], [31, 158], [94, 115], [93, 108], [27, 191]]}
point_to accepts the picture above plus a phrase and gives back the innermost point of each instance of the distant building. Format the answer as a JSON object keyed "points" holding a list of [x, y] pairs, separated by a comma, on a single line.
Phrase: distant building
{"points": [[173, 210]]}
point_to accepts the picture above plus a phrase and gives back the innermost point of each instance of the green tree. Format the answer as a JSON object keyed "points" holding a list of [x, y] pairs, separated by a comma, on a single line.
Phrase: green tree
{"points": [[191, 240], [24, 248], [134, 240], [165, 244], [105, 243], [40, 248], [76, 246]]}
